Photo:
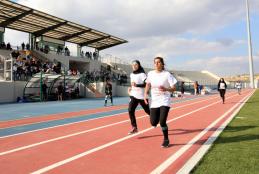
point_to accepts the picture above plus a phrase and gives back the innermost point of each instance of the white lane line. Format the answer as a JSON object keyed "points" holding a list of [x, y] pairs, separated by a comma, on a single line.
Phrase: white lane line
{"points": [[122, 107], [86, 131], [183, 149], [55, 165], [87, 114], [67, 124], [193, 161]]}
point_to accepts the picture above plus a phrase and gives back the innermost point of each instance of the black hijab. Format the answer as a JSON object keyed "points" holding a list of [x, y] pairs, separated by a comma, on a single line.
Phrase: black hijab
{"points": [[140, 68]]}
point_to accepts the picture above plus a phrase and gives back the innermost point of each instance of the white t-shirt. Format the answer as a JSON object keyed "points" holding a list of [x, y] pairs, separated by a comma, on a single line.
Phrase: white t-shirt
{"points": [[137, 92], [222, 85], [238, 85], [157, 79]]}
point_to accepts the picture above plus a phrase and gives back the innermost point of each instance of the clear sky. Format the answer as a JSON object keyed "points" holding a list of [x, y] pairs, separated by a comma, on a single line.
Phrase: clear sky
{"points": [[190, 34]]}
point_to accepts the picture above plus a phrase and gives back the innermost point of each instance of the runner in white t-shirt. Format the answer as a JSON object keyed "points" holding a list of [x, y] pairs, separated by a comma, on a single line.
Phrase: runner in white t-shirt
{"points": [[162, 84], [136, 93], [222, 86], [238, 86]]}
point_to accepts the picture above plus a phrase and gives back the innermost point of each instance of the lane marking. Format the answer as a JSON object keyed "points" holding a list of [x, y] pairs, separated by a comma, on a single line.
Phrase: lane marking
{"points": [[183, 149], [193, 161], [51, 114], [54, 115], [46, 121], [44, 116], [60, 163], [66, 124], [86, 131]]}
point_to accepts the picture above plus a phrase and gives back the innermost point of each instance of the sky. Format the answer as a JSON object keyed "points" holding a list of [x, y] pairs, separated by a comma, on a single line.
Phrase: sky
{"points": [[189, 34]]}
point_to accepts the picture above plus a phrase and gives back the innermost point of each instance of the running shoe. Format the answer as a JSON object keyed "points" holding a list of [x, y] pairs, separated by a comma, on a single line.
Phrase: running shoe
{"points": [[133, 131], [165, 143]]}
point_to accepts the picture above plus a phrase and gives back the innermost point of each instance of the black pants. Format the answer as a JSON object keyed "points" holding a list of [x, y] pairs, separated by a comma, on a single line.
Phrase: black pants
{"points": [[160, 115], [106, 98], [132, 107], [222, 94]]}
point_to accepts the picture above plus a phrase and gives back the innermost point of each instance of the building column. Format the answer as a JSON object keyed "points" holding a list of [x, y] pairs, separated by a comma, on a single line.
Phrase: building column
{"points": [[32, 41], [2, 30], [79, 49]]}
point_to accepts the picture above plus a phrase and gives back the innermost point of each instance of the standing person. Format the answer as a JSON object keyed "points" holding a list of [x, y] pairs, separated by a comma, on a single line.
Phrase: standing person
{"points": [[108, 91], [195, 87], [162, 84], [222, 86], [182, 89], [238, 86], [44, 91], [136, 93], [60, 91], [23, 46]]}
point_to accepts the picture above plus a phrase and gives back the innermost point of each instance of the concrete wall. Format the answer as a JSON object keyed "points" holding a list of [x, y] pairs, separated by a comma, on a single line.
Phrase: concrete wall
{"points": [[91, 65], [9, 91], [118, 91], [122, 91]]}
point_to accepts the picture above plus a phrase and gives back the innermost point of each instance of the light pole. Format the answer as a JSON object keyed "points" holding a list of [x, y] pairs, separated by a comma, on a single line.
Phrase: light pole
{"points": [[251, 66]]}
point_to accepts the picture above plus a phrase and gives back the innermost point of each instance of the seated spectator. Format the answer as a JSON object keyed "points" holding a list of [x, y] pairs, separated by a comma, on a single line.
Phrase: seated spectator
{"points": [[8, 46], [74, 72], [69, 72]]}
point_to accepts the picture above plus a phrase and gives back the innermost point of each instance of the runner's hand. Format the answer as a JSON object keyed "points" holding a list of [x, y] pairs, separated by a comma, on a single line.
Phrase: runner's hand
{"points": [[162, 88], [145, 99]]}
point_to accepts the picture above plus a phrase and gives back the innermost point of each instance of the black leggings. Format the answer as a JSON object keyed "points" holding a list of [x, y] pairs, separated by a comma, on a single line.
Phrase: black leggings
{"points": [[132, 107], [222, 94], [159, 115]]}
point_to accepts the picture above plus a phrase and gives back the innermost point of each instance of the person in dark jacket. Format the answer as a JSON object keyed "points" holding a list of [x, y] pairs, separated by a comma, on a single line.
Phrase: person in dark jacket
{"points": [[222, 86], [108, 92], [60, 91], [44, 91], [182, 89]]}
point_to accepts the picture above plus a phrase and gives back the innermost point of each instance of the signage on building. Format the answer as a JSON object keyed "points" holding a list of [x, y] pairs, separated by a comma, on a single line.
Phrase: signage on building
{"points": [[51, 40]]}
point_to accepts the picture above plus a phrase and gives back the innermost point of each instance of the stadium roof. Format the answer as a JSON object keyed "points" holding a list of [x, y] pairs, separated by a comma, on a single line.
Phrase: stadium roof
{"points": [[22, 18]]}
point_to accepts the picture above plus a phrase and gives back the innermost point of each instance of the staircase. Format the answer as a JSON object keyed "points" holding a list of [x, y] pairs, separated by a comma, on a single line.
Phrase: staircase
{"points": [[91, 87]]}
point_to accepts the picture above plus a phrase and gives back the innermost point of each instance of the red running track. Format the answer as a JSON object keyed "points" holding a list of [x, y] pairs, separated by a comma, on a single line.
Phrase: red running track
{"points": [[103, 146]]}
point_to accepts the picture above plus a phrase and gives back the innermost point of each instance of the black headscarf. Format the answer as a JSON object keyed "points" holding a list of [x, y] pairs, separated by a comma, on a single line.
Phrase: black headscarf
{"points": [[140, 69]]}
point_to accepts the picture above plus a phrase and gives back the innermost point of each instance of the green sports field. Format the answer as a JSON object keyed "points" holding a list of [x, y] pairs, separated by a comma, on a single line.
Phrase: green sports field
{"points": [[236, 151]]}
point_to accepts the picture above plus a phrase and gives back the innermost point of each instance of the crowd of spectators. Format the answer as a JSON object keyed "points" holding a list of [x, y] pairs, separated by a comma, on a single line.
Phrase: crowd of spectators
{"points": [[104, 74], [73, 72], [90, 55], [25, 65]]}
